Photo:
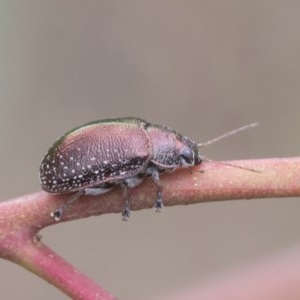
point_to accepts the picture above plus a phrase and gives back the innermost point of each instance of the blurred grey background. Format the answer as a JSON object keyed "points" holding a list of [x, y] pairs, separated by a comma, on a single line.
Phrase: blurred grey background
{"points": [[201, 67]]}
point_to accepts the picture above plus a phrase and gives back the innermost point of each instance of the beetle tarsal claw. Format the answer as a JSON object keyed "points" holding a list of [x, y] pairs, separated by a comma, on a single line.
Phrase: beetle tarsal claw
{"points": [[57, 214], [126, 214], [158, 205]]}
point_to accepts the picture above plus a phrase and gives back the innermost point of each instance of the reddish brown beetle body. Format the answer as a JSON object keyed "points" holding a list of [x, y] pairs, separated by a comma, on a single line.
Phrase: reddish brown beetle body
{"points": [[93, 158]]}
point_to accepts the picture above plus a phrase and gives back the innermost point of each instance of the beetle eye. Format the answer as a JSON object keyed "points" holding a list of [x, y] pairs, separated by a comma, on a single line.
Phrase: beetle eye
{"points": [[187, 157]]}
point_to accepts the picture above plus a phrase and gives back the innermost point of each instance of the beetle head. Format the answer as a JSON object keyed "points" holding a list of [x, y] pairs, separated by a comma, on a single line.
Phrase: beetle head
{"points": [[188, 152]]}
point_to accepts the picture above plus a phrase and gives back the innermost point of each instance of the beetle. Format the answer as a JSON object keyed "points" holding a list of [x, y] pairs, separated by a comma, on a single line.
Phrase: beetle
{"points": [[95, 157]]}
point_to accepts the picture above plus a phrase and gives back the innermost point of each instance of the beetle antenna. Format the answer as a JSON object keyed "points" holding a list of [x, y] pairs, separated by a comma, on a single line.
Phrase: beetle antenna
{"points": [[229, 164], [227, 134]]}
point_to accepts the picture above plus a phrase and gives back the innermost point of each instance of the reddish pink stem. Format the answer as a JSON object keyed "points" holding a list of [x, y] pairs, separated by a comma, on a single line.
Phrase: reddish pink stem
{"points": [[23, 246], [23, 217], [41, 260]]}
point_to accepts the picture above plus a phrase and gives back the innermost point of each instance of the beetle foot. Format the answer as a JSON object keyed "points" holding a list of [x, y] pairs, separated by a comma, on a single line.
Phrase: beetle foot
{"points": [[126, 214], [126, 211], [159, 205], [57, 214]]}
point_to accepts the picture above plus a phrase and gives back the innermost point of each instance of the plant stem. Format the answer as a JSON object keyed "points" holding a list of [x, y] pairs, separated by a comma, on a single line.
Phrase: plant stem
{"points": [[23, 217]]}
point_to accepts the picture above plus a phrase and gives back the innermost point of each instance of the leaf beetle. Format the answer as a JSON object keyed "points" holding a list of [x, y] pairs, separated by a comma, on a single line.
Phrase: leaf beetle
{"points": [[95, 157]]}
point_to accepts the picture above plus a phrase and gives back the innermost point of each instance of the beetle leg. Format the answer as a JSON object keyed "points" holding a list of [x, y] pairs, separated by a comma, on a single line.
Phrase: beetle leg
{"points": [[154, 175], [57, 214], [126, 210], [96, 191]]}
